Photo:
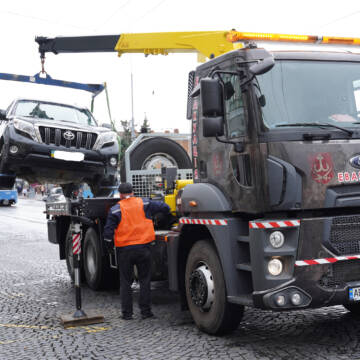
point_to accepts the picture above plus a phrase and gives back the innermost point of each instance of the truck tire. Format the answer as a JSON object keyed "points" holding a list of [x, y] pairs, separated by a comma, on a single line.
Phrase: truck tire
{"points": [[69, 257], [98, 273], [157, 150], [206, 292], [7, 178], [4, 153]]}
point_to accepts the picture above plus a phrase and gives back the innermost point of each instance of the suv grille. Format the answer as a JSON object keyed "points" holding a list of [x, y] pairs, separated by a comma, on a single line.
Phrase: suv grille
{"points": [[345, 234], [55, 136], [340, 273]]}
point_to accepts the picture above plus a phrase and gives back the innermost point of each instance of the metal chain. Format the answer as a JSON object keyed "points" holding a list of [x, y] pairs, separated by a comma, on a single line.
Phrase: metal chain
{"points": [[42, 57]]}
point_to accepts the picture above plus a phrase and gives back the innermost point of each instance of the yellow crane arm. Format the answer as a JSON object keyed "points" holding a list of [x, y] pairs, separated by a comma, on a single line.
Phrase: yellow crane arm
{"points": [[208, 44]]}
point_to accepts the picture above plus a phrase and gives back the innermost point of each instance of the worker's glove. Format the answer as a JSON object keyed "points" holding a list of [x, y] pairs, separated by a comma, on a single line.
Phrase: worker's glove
{"points": [[163, 221], [109, 243], [158, 220]]}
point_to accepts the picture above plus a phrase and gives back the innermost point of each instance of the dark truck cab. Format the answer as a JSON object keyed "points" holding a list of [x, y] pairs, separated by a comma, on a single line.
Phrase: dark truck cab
{"points": [[283, 152], [50, 142]]}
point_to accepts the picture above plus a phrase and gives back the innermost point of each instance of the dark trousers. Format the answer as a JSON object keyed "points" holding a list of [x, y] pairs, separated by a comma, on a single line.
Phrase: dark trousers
{"points": [[127, 258]]}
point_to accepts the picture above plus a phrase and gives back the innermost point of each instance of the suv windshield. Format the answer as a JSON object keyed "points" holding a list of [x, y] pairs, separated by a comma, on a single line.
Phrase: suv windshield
{"points": [[56, 112], [321, 92]]}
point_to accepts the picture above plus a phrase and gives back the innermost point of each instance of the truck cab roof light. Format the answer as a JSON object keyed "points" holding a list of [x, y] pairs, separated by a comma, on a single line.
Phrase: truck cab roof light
{"points": [[235, 36], [340, 40]]}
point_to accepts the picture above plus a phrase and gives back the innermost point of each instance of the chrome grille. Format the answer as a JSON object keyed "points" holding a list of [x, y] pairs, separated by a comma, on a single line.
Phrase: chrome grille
{"points": [[345, 234], [55, 136]]}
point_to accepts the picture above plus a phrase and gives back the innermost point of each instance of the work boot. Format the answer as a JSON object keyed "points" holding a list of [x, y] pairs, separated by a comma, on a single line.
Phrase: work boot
{"points": [[127, 316], [147, 315]]}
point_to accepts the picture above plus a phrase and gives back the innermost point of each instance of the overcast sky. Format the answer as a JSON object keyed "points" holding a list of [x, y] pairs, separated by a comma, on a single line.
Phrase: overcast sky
{"points": [[160, 83]]}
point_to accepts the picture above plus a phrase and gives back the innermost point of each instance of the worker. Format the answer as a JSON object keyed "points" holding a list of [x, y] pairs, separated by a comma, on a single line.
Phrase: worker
{"points": [[130, 227]]}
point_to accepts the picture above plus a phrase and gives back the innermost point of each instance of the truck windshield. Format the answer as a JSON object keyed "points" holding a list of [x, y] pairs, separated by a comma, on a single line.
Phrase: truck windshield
{"points": [[299, 92], [56, 112]]}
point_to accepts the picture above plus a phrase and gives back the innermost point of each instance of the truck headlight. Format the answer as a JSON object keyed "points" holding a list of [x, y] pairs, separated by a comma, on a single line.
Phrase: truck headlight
{"points": [[105, 138], [275, 267], [26, 127], [277, 239]]}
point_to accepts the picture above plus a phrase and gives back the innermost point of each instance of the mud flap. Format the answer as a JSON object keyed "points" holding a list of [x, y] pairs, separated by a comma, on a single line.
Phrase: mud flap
{"points": [[7, 181]]}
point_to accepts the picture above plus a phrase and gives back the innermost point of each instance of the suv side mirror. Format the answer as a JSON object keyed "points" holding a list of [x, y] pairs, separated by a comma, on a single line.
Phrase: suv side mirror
{"points": [[3, 115], [212, 104]]}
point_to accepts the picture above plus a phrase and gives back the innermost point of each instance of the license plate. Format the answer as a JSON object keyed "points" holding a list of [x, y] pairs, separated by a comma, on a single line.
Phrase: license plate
{"points": [[354, 294], [67, 155]]}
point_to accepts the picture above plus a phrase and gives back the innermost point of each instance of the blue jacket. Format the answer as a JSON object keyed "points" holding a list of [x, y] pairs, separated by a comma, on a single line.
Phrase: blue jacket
{"points": [[151, 207]]}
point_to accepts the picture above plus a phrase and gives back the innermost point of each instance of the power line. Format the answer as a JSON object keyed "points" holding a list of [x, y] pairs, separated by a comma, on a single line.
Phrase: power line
{"points": [[341, 18], [113, 14], [148, 12]]}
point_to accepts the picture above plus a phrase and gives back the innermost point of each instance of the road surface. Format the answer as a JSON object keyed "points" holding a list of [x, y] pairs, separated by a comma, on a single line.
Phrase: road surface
{"points": [[35, 290]]}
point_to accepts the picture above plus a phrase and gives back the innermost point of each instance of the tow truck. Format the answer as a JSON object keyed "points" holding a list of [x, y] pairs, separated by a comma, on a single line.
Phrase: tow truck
{"points": [[272, 218]]}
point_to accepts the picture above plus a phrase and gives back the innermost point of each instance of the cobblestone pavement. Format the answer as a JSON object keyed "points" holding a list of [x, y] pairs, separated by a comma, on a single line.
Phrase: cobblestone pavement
{"points": [[35, 290]]}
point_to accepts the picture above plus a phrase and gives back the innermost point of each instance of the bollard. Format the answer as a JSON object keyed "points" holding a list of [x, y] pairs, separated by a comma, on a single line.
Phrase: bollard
{"points": [[79, 317]]}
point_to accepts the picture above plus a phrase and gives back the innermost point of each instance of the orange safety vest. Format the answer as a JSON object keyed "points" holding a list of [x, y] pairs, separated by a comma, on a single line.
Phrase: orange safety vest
{"points": [[134, 228]]}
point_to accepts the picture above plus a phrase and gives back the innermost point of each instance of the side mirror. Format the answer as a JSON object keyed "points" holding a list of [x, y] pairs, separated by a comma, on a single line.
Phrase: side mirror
{"points": [[211, 94], [213, 126], [262, 67], [3, 115], [108, 126]]}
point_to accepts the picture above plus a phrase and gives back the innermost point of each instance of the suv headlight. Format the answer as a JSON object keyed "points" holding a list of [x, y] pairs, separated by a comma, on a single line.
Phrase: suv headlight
{"points": [[105, 138], [26, 127]]}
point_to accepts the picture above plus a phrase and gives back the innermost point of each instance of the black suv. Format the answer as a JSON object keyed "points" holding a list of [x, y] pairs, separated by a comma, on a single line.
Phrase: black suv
{"points": [[48, 142]]}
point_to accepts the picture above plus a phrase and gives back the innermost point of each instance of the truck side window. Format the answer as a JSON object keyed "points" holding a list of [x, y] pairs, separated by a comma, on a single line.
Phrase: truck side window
{"points": [[234, 108]]}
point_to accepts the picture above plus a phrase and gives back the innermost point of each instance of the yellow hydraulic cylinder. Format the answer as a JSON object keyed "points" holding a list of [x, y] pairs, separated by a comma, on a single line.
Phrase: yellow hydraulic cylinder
{"points": [[170, 199]]}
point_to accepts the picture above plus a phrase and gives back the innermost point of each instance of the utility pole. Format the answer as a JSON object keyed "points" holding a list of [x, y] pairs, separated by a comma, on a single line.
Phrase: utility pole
{"points": [[132, 110]]}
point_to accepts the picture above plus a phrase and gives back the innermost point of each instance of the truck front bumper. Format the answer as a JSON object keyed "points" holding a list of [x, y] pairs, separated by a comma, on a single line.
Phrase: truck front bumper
{"points": [[320, 257]]}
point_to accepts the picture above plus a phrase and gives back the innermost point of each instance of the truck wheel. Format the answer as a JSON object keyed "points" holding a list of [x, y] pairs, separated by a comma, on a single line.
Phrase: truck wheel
{"points": [[153, 153], [353, 308], [69, 256], [7, 178], [206, 292], [3, 156], [97, 269]]}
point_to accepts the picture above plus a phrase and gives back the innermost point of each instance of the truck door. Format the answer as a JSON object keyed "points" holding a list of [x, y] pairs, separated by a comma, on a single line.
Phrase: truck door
{"points": [[229, 161]]}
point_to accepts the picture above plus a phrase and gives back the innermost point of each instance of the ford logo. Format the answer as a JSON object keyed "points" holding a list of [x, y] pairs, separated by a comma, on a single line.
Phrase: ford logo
{"points": [[355, 161], [68, 135]]}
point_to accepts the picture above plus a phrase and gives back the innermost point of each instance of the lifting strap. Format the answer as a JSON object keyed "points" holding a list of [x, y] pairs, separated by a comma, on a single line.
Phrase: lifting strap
{"points": [[95, 89]]}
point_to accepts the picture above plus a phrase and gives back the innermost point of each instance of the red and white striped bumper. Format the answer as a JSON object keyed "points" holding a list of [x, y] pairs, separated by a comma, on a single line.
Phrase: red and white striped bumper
{"points": [[184, 220], [326, 260], [273, 224]]}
